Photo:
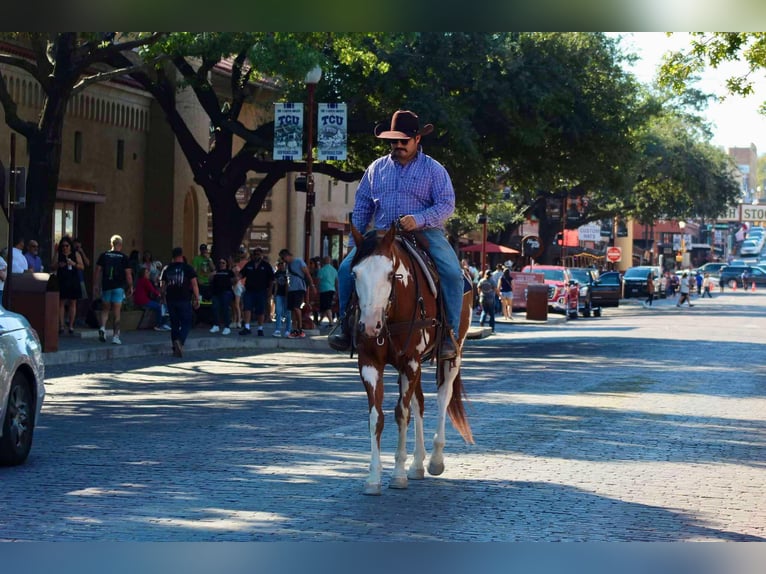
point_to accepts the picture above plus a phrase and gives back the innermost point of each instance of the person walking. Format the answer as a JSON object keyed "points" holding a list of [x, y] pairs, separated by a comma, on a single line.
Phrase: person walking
{"points": [[180, 291], [411, 188], [282, 315], [328, 286], [300, 281], [487, 297], [506, 293], [67, 265], [221, 287], [258, 276], [114, 282], [649, 290], [684, 290], [706, 286]]}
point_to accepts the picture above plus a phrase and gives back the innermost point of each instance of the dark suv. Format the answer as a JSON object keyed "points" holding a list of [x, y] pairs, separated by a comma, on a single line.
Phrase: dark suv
{"points": [[635, 280], [732, 273]]}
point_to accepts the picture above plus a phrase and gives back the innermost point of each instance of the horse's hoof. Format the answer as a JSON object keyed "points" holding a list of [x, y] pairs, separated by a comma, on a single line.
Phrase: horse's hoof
{"points": [[416, 474], [372, 489], [399, 482], [435, 469]]}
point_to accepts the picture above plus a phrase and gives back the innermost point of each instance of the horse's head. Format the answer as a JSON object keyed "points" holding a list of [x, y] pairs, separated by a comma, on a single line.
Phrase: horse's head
{"points": [[373, 272]]}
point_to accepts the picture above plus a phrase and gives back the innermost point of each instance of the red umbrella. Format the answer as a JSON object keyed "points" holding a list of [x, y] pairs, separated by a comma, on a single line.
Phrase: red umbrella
{"points": [[489, 247]]}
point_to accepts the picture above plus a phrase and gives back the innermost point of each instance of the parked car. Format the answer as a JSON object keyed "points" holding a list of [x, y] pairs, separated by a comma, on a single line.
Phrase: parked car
{"points": [[713, 268], [22, 389], [586, 279], [732, 273], [558, 279], [635, 281], [607, 290]]}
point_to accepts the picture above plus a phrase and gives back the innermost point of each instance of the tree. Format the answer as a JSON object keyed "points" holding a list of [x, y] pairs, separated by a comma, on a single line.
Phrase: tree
{"points": [[62, 63], [680, 68]]}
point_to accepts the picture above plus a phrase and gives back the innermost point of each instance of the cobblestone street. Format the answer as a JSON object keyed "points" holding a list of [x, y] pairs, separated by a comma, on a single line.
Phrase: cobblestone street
{"points": [[641, 425]]}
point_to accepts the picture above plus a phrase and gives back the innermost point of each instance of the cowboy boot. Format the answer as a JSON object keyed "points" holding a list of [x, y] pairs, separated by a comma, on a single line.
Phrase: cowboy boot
{"points": [[340, 336], [447, 350]]}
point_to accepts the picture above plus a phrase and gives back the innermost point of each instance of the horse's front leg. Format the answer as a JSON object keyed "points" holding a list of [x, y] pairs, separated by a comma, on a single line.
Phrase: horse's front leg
{"points": [[372, 377], [443, 397], [409, 381]]}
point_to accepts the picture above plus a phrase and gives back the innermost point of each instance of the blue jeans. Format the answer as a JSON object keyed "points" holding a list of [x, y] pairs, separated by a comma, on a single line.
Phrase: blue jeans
{"points": [[222, 307], [157, 308], [488, 312], [283, 314], [180, 320], [450, 276]]}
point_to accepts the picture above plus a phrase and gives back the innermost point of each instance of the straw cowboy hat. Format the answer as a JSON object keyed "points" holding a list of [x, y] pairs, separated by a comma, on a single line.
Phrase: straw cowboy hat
{"points": [[404, 124]]}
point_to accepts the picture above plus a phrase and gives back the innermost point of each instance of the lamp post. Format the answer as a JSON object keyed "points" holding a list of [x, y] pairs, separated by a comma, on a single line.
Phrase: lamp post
{"points": [[312, 79], [682, 225]]}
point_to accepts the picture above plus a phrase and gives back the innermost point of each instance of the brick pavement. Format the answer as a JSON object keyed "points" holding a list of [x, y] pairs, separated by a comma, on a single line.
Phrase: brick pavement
{"points": [[635, 426]]}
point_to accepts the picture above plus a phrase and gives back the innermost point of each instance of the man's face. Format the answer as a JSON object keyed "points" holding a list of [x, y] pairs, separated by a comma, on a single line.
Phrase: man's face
{"points": [[33, 247], [404, 150]]}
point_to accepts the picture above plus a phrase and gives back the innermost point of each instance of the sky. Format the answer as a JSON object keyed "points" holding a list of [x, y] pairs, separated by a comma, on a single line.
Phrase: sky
{"points": [[735, 120]]}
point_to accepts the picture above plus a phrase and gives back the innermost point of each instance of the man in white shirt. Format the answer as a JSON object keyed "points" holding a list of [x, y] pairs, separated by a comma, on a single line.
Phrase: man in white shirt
{"points": [[19, 261]]}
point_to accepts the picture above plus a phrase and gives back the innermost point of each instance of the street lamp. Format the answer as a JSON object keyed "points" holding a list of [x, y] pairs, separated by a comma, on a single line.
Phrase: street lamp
{"points": [[311, 80], [682, 225]]}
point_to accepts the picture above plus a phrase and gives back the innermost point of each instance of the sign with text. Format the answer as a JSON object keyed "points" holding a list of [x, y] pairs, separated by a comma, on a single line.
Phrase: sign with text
{"points": [[589, 232], [288, 132], [331, 132], [519, 286]]}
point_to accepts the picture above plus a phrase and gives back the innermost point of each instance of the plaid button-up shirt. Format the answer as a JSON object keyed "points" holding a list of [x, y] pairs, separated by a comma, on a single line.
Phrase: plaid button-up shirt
{"points": [[422, 188]]}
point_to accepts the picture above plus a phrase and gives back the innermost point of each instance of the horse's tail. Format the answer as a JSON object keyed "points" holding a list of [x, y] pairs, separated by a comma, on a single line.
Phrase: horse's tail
{"points": [[456, 410]]}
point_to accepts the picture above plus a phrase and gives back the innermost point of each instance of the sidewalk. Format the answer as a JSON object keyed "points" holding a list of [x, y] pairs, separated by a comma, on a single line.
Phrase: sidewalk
{"points": [[84, 346]]}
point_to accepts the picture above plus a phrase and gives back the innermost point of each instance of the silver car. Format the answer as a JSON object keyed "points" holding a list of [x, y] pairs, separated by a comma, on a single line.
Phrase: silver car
{"points": [[22, 389]]}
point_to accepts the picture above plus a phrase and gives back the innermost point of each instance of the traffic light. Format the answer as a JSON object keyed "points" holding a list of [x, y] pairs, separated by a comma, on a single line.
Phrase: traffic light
{"points": [[560, 238]]}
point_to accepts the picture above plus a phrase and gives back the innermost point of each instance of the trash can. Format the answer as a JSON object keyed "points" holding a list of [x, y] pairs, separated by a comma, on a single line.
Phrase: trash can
{"points": [[537, 302], [36, 296]]}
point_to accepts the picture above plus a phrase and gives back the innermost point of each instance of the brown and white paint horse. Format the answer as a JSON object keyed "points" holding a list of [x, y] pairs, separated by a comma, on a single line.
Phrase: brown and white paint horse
{"points": [[398, 326]]}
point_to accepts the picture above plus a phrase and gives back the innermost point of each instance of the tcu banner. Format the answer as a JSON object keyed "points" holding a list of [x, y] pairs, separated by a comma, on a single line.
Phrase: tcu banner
{"points": [[331, 132], [288, 132]]}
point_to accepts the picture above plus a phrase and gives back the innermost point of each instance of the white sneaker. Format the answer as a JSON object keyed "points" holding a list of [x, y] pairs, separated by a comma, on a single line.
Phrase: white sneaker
{"points": [[225, 331], [277, 333], [167, 327], [116, 341], [214, 329]]}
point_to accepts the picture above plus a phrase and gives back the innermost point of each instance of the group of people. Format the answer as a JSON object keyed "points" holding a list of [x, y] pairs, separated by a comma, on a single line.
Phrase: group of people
{"points": [[684, 286], [495, 295]]}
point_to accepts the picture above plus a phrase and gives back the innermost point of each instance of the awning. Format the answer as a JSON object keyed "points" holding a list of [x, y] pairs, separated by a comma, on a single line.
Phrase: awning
{"points": [[489, 247], [81, 195]]}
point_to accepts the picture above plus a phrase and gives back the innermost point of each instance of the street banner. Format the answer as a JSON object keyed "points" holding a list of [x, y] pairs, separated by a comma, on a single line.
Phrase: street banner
{"points": [[288, 132], [331, 132]]}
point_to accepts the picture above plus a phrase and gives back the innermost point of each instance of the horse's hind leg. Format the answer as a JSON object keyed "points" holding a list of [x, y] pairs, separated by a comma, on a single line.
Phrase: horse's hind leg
{"points": [[409, 380], [443, 397], [416, 470], [373, 383]]}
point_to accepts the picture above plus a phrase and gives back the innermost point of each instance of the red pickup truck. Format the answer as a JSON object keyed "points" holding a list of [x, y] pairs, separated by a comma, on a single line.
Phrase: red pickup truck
{"points": [[562, 292]]}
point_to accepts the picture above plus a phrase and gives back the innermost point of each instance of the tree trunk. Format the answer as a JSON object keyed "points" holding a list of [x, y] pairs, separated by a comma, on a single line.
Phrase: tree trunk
{"points": [[229, 224]]}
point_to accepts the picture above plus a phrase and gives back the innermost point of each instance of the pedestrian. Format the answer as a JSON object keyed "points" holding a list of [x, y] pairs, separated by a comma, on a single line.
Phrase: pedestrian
{"points": [[115, 275], [77, 245], [328, 287], [67, 263], [745, 278], [222, 291], [258, 276], [147, 296], [684, 289], [204, 267], [411, 188], [34, 262], [506, 293], [237, 313], [19, 262], [706, 285], [180, 291], [282, 315], [487, 296], [698, 279], [300, 281], [496, 275], [649, 289]]}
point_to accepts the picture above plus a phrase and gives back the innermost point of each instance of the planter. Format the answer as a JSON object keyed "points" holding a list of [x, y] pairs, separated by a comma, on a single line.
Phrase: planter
{"points": [[129, 320]]}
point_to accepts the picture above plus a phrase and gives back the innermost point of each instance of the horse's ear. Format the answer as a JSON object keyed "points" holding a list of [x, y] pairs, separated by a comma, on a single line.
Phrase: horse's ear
{"points": [[388, 238], [358, 239]]}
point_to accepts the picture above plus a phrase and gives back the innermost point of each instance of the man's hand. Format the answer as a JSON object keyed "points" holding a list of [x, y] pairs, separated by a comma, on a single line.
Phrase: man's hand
{"points": [[407, 222]]}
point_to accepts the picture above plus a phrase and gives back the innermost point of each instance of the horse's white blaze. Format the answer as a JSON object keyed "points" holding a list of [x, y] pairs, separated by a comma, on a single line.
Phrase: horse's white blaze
{"points": [[421, 346], [373, 285], [369, 375], [413, 365]]}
